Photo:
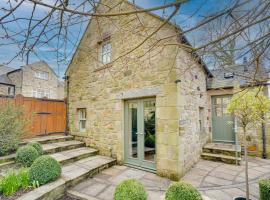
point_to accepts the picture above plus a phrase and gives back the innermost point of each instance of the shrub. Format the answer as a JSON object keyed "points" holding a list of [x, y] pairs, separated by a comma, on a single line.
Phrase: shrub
{"points": [[12, 127], [13, 181], [264, 189], [45, 169], [183, 191], [37, 146], [130, 190], [26, 155]]}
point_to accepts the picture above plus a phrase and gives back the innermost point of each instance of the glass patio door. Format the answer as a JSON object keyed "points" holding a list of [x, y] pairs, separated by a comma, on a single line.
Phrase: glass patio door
{"points": [[140, 133]]}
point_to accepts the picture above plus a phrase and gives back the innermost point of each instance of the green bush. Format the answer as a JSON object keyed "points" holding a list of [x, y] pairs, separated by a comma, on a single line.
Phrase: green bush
{"points": [[12, 127], [264, 189], [130, 190], [37, 146], [26, 155], [45, 169], [13, 181], [183, 191]]}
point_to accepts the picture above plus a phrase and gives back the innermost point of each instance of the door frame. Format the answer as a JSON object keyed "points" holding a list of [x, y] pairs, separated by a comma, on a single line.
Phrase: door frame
{"points": [[138, 162], [232, 116]]}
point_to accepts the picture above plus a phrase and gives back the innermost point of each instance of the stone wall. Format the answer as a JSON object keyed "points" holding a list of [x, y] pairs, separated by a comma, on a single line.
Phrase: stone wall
{"points": [[16, 78], [103, 89], [30, 82], [4, 89], [192, 100]]}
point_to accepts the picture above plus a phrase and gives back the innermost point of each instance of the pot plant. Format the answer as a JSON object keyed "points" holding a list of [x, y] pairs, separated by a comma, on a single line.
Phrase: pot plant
{"points": [[249, 107]]}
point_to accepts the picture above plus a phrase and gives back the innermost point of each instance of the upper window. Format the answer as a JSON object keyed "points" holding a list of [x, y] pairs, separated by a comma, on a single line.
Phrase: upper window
{"points": [[39, 93], [82, 119], [42, 75], [106, 52]]}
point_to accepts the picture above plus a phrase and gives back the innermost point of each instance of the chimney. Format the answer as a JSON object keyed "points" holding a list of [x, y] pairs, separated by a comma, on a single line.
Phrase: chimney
{"points": [[245, 64]]}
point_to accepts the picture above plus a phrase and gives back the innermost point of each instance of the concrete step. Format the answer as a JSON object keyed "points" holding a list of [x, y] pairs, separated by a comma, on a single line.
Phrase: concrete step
{"points": [[48, 139], [72, 174], [221, 148], [221, 158], [49, 149]]}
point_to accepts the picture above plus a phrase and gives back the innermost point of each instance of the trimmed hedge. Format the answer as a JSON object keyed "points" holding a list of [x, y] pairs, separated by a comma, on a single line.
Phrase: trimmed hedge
{"points": [[264, 189], [37, 146], [183, 191], [44, 170], [26, 155], [130, 190]]}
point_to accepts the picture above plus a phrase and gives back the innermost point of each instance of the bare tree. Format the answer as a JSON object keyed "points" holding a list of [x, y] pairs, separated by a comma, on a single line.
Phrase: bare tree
{"points": [[56, 26]]}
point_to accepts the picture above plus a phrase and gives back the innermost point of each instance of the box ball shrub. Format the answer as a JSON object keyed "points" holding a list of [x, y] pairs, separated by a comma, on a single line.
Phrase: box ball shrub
{"points": [[183, 191], [264, 186], [130, 190], [26, 155], [37, 146], [44, 170]]}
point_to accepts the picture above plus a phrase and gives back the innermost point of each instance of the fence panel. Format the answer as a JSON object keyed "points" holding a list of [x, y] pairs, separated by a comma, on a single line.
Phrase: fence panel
{"points": [[46, 115]]}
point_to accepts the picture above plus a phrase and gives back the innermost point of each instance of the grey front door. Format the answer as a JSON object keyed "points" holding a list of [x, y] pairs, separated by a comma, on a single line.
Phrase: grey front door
{"points": [[140, 133], [222, 121]]}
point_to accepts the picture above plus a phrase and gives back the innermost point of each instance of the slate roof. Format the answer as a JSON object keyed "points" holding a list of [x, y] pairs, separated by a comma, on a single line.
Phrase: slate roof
{"points": [[4, 69], [231, 76]]}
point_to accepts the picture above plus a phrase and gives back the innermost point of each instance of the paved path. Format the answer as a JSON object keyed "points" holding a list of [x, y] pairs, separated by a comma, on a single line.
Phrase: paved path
{"points": [[220, 181], [216, 181]]}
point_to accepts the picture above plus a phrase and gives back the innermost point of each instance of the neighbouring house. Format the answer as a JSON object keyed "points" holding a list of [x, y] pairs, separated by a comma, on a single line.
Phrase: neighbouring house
{"points": [[221, 88], [6, 86], [148, 109], [34, 80]]}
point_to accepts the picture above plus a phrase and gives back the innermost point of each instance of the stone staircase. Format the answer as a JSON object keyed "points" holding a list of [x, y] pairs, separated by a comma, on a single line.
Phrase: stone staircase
{"points": [[222, 152], [78, 163]]}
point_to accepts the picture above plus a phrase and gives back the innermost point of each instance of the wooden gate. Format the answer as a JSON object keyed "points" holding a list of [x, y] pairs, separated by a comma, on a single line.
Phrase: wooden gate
{"points": [[46, 115]]}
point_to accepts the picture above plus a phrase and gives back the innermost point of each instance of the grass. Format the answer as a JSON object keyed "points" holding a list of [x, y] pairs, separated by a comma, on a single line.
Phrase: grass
{"points": [[13, 181]]}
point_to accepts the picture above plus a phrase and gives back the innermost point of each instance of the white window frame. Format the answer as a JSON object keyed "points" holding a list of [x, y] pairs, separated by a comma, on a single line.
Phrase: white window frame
{"points": [[82, 119], [106, 52], [42, 75], [41, 93]]}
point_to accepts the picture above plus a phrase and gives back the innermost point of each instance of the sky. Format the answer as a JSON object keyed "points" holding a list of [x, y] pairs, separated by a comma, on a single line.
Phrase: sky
{"points": [[189, 14]]}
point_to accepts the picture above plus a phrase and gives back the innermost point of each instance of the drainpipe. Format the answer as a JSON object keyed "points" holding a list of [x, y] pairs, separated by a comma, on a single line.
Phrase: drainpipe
{"points": [[66, 78]]}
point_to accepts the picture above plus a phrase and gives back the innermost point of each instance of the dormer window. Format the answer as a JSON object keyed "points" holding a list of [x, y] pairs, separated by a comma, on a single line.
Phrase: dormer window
{"points": [[228, 75], [106, 48]]}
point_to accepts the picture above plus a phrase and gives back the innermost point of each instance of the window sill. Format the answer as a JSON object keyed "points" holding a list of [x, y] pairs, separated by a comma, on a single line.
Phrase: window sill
{"points": [[108, 65]]}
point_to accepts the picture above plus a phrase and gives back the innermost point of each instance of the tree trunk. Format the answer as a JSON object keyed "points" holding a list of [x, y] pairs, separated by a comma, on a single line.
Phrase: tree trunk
{"points": [[246, 165]]}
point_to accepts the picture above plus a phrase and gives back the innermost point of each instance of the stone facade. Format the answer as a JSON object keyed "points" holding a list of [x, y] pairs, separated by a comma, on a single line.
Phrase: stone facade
{"points": [[4, 89], [26, 82], [103, 89]]}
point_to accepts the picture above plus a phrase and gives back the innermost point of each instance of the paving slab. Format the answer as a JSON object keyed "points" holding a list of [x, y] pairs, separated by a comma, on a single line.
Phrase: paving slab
{"points": [[215, 181]]}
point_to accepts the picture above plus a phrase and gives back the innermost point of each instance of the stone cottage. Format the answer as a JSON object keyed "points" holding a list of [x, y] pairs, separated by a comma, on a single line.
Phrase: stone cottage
{"points": [[147, 109], [34, 80]]}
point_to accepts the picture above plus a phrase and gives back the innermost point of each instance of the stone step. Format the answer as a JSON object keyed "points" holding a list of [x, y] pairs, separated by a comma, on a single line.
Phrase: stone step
{"points": [[48, 139], [70, 156], [49, 149], [71, 175], [64, 157], [221, 148], [221, 158]]}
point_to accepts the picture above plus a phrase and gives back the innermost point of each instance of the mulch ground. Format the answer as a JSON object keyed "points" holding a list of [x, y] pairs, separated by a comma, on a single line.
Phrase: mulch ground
{"points": [[15, 195]]}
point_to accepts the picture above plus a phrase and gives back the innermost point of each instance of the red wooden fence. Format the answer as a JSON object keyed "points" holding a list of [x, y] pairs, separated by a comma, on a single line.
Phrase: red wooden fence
{"points": [[46, 115]]}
